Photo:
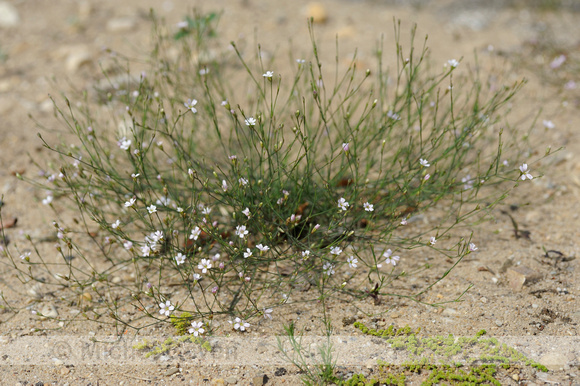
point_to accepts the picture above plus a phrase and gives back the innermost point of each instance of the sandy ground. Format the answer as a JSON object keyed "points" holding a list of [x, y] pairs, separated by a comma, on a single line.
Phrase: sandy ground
{"points": [[55, 44]]}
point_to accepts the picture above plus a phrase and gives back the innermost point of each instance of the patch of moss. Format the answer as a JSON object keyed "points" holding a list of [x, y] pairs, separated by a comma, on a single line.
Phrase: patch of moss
{"points": [[158, 348], [182, 322], [423, 350]]}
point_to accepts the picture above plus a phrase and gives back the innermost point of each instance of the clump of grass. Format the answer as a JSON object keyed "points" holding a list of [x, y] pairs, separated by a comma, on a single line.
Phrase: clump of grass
{"points": [[302, 187]]}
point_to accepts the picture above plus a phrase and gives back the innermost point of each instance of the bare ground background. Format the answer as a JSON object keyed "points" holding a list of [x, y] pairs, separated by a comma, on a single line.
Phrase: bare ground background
{"points": [[46, 47]]}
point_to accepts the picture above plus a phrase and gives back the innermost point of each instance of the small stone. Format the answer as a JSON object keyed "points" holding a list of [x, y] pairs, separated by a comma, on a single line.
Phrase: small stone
{"points": [[49, 311], [116, 280], [348, 320], [280, 371], [534, 305], [259, 380], [121, 24], [57, 362], [231, 380], [317, 12], [64, 371], [164, 358], [518, 276], [498, 323], [516, 377], [77, 59], [484, 300], [450, 312], [218, 382], [555, 360], [171, 371], [86, 297], [8, 15]]}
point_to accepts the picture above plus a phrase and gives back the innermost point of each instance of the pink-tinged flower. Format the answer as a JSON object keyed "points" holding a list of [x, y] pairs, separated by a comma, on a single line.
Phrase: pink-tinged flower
{"points": [[427, 176], [204, 265], [239, 324], [166, 308], [180, 258], [335, 251], [241, 231], [224, 185], [525, 172], [472, 247], [352, 261], [263, 248], [328, 268], [548, 124], [196, 328], [195, 232], [404, 221], [343, 204], [389, 258], [267, 313], [246, 212], [190, 105], [432, 240], [557, 62], [124, 143], [248, 253], [424, 162], [345, 147], [116, 224], [369, 207], [127, 244]]}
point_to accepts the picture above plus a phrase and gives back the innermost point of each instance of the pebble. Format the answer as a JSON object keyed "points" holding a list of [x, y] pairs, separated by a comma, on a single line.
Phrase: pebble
{"points": [[49, 311], [77, 59], [121, 24], [259, 380], [450, 312], [64, 371], [498, 323], [317, 12], [231, 380], [8, 15], [516, 377], [218, 382], [171, 371], [520, 275], [484, 300], [555, 360]]}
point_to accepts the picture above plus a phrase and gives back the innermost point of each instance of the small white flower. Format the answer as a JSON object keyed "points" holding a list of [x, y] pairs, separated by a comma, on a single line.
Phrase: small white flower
{"points": [[130, 203], [525, 172], [369, 207], [424, 162], [196, 276], [557, 62], [240, 324], [116, 224], [241, 231], [467, 182], [224, 103], [328, 268], [179, 209], [195, 232], [404, 221], [472, 247], [190, 105], [127, 244], [343, 204], [224, 185], [204, 265], [151, 209], [305, 254], [180, 258], [163, 201], [47, 200], [166, 308], [251, 121], [248, 253], [394, 116], [390, 259], [243, 181], [124, 143], [352, 261], [25, 255], [335, 251], [453, 63], [263, 248], [206, 210], [267, 313], [145, 250], [246, 212], [268, 74], [548, 124], [196, 329], [505, 162], [300, 61], [135, 175], [432, 240]]}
